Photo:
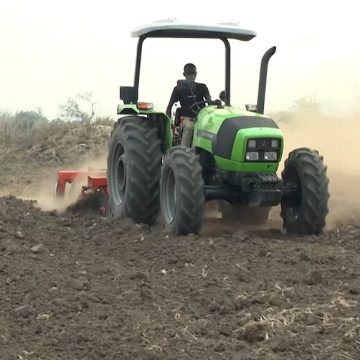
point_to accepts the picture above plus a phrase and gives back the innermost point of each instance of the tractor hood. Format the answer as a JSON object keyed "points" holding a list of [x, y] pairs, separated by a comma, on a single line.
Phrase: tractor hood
{"points": [[225, 132], [228, 119]]}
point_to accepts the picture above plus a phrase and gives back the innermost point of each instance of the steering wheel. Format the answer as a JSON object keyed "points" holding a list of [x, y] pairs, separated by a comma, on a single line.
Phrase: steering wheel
{"points": [[197, 104], [204, 102]]}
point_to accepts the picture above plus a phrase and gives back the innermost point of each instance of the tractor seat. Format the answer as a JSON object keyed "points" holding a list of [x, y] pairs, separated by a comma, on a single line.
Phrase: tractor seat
{"points": [[178, 114]]}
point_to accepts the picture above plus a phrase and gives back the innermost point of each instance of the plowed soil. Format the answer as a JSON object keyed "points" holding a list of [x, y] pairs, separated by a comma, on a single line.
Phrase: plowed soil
{"points": [[77, 286]]}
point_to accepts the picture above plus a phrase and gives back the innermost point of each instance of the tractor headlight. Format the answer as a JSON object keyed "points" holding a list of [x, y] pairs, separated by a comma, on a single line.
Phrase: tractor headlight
{"points": [[270, 155], [252, 156], [275, 143], [252, 143]]}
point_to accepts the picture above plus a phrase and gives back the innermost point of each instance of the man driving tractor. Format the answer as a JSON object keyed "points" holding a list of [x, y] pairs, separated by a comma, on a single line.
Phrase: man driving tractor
{"points": [[193, 97]]}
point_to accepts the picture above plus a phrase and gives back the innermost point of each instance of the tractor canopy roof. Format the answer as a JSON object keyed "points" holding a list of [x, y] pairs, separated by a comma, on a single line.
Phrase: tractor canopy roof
{"points": [[175, 29]]}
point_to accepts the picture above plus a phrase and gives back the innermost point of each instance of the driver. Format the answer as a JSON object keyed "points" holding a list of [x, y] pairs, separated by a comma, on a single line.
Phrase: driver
{"points": [[193, 97]]}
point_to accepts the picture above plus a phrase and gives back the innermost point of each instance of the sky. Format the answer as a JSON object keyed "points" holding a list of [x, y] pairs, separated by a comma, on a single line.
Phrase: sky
{"points": [[53, 50]]}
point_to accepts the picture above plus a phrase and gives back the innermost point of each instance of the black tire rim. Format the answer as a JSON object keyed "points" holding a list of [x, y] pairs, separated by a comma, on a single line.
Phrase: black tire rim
{"points": [[168, 197], [119, 174]]}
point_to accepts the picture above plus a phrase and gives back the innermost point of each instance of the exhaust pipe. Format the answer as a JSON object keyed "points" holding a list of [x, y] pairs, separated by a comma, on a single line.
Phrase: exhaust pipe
{"points": [[262, 79]]}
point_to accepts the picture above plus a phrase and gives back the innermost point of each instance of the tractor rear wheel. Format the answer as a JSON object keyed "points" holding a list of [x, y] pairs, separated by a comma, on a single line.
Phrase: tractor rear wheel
{"points": [[305, 208], [244, 214], [133, 170], [182, 191]]}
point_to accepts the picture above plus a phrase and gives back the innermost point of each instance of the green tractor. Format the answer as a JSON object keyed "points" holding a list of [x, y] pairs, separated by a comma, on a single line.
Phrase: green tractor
{"points": [[233, 158]]}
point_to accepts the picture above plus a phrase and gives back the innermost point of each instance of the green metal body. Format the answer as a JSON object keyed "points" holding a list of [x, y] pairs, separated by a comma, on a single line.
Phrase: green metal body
{"points": [[210, 119]]}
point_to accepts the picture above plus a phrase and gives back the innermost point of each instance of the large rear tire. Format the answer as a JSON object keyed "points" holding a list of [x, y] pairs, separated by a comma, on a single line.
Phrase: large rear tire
{"points": [[133, 170], [304, 212], [182, 191], [244, 214]]}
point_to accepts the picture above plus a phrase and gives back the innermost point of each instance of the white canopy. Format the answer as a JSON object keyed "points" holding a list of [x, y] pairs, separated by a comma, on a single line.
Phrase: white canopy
{"points": [[175, 29]]}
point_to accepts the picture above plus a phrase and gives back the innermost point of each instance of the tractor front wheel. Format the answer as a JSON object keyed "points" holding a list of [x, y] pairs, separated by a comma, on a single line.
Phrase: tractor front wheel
{"points": [[182, 197], [133, 170], [304, 205]]}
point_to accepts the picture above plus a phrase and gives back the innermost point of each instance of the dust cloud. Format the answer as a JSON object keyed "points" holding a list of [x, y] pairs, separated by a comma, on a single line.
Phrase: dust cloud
{"points": [[337, 139]]}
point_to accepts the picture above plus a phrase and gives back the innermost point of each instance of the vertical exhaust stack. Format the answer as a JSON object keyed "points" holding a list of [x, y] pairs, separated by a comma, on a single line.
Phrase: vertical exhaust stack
{"points": [[262, 79]]}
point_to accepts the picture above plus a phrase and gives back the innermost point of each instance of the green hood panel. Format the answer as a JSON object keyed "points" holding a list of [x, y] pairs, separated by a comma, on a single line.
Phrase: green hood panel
{"points": [[225, 133], [210, 118]]}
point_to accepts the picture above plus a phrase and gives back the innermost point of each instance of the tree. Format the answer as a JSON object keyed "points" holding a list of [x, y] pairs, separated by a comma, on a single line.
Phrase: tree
{"points": [[26, 120], [80, 108]]}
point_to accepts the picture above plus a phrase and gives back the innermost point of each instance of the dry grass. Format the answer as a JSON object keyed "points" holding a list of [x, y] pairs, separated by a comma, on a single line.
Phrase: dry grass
{"points": [[13, 138]]}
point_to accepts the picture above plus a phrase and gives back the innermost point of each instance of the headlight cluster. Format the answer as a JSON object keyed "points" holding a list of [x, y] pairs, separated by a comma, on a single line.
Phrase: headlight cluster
{"points": [[263, 150]]}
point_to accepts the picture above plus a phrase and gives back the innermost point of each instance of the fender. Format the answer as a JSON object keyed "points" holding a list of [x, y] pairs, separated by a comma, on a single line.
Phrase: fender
{"points": [[162, 120]]}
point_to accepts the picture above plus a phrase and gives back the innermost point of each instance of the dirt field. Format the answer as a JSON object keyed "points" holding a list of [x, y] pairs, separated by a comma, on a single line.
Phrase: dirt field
{"points": [[76, 286]]}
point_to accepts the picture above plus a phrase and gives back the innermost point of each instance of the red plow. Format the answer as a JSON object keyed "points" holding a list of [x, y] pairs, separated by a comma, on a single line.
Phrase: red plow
{"points": [[95, 187]]}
